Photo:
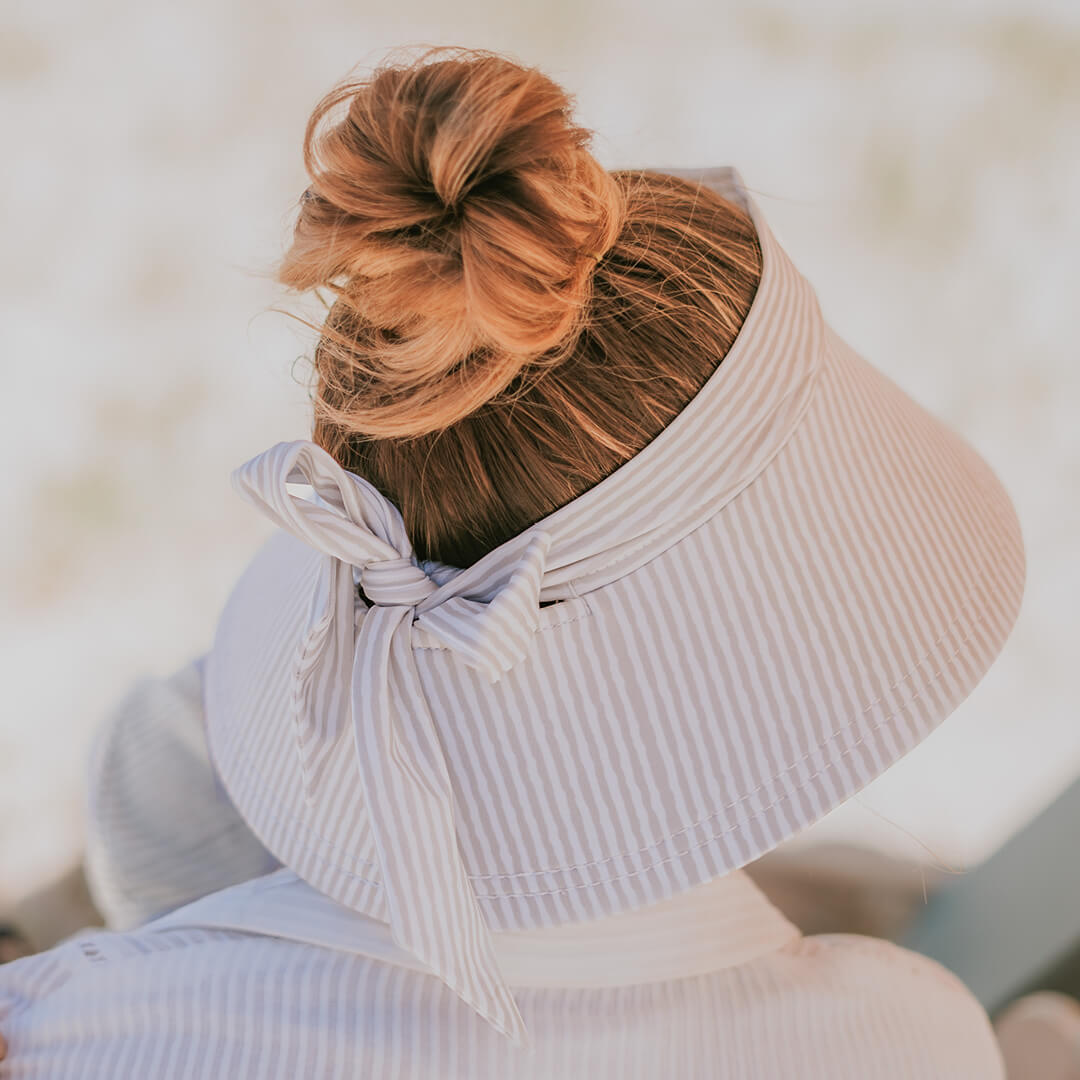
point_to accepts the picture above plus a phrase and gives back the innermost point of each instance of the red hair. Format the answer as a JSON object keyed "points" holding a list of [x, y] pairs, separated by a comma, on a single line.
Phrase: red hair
{"points": [[511, 322]]}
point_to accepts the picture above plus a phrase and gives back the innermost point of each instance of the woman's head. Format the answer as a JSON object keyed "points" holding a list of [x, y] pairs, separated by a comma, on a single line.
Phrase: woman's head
{"points": [[511, 322]]}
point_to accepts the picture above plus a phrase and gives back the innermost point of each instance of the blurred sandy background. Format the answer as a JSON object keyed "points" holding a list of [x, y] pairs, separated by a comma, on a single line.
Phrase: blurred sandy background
{"points": [[919, 160]]}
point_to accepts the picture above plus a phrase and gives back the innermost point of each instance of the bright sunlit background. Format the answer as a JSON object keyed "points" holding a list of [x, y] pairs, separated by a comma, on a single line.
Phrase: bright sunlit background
{"points": [[919, 159]]}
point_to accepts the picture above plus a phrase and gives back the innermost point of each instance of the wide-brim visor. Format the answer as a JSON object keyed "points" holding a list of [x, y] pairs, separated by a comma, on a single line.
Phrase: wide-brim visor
{"points": [[847, 569], [856, 591], [796, 581]]}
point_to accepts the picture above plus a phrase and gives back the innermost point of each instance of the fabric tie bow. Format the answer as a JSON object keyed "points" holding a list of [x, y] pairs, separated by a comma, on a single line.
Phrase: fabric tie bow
{"points": [[365, 671]]}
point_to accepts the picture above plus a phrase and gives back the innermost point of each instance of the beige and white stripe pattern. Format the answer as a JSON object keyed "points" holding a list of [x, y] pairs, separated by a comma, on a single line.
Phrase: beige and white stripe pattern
{"points": [[400, 769], [721, 924], [273, 981], [160, 831], [772, 602]]}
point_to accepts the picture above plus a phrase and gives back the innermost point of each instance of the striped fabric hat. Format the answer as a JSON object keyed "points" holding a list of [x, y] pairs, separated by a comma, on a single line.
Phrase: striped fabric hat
{"points": [[736, 630]]}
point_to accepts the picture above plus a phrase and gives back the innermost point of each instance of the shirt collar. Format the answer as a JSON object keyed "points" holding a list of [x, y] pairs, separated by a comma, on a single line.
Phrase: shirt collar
{"points": [[724, 923]]}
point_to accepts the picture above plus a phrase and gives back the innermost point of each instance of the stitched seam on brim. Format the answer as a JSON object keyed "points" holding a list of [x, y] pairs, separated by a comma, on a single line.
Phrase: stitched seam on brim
{"points": [[290, 819]]}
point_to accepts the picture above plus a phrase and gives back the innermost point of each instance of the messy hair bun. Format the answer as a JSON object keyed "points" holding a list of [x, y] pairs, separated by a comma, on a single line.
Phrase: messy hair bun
{"points": [[456, 213], [510, 322]]}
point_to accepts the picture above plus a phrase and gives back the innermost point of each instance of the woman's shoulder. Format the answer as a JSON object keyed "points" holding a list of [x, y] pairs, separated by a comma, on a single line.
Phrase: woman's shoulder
{"points": [[859, 956], [894, 1007], [107, 1005]]}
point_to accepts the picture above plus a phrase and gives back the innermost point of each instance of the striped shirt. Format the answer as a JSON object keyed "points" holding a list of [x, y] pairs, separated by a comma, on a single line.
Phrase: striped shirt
{"points": [[270, 979], [258, 993]]}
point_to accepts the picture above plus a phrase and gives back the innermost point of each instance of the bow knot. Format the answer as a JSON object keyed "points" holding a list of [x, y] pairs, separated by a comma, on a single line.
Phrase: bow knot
{"points": [[395, 583], [361, 675]]}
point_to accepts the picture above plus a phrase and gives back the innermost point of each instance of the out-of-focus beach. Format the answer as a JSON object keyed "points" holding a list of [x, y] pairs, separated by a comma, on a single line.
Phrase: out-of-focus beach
{"points": [[920, 161]]}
